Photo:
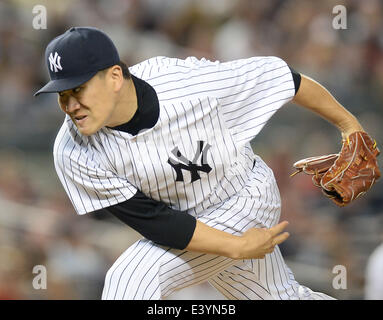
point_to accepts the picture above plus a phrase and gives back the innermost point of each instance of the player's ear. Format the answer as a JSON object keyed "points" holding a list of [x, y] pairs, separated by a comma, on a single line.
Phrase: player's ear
{"points": [[116, 77]]}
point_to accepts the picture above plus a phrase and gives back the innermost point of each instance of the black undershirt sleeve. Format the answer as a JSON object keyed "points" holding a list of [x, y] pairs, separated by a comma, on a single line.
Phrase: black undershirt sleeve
{"points": [[156, 221], [296, 79]]}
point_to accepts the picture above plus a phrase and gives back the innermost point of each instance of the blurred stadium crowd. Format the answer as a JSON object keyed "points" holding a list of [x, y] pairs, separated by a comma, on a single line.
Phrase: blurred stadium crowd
{"points": [[38, 225]]}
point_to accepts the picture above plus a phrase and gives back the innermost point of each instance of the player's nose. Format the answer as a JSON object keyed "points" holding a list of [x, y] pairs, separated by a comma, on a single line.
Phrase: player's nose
{"points": [[72, 104]]}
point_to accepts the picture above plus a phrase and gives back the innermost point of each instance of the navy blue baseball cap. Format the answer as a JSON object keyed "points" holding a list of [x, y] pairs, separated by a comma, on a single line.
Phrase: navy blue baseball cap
{"points": [[75, 56]]}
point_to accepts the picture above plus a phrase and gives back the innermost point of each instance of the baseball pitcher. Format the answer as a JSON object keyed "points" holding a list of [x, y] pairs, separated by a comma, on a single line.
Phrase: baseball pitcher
{"points": [[164, 146]]}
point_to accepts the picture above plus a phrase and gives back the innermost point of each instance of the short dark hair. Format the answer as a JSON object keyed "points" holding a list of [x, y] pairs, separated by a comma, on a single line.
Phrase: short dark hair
{"points": [[124, 67]]}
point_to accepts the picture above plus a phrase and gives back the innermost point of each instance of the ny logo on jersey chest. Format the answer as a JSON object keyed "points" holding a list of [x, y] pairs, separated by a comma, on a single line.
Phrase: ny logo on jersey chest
{"points": [[182, 163]]}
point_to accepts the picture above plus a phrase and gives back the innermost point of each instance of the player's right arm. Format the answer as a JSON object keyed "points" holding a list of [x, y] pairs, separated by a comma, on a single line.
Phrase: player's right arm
{"points": [[254, 243], [177, 229]]}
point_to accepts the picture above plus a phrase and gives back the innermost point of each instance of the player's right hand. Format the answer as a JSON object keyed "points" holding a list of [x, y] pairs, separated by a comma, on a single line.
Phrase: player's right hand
{"points": [[259, 242]]}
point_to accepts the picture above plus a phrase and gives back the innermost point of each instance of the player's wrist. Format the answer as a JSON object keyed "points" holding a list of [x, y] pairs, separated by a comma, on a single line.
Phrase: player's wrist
{"points": [[247, 246], [238, 248], [350, 126]]}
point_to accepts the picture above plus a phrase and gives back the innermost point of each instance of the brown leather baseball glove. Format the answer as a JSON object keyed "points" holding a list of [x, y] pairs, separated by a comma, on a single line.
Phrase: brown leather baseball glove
{"points": [[345, 176]]}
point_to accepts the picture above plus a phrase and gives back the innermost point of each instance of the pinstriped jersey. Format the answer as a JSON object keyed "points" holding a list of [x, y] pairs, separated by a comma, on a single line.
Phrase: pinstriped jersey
{"points": [[197, 155]]}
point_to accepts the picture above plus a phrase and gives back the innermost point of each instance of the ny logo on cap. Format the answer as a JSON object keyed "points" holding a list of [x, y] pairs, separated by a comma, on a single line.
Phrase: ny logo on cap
{"points": [[54, 61]]}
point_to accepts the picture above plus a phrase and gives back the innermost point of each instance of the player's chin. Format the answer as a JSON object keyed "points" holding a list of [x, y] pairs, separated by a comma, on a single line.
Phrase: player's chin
{"points": [[87, 130]]}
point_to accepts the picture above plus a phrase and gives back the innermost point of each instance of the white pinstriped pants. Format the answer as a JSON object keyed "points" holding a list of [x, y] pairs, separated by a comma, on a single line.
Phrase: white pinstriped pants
{"points": [[148, 271]]}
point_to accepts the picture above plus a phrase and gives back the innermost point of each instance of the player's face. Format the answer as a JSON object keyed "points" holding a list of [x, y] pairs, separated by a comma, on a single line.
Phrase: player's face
{"points": [[91, 106]]}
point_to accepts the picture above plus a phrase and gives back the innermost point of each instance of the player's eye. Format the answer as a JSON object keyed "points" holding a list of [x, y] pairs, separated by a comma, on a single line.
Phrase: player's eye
{"points": [[77, 90]]}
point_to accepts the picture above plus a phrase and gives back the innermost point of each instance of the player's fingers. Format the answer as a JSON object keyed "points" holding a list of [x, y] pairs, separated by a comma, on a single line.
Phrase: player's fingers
{"points": [[280, 238], [277, 229]]}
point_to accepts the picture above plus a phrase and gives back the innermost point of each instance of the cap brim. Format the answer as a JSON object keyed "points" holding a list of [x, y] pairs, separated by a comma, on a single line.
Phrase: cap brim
{"points": [[65, 84]]}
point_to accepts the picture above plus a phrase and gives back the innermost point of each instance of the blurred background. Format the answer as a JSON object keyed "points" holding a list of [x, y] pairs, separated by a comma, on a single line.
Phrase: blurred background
{"points": [[38, 225]]}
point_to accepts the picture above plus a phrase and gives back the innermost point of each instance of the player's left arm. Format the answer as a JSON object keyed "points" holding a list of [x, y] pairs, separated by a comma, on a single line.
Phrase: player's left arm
{"points": [[314, 97]]}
